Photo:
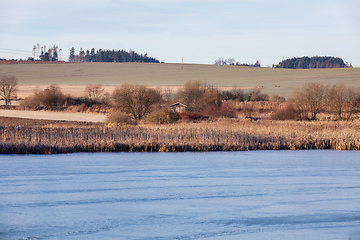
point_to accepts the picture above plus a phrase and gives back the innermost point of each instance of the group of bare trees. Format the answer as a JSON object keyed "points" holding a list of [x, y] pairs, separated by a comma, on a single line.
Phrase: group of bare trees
{"points": [[313, 98], [137, 100], [140, 101], [43, 53], [339, 100], [231, 61]]}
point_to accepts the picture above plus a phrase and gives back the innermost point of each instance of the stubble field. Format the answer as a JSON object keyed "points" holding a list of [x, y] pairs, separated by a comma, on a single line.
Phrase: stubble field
{"points": [[73, 77]]}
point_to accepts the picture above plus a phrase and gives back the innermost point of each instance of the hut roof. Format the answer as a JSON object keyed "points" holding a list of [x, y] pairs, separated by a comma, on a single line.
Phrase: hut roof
{"points": [[177, 104]]}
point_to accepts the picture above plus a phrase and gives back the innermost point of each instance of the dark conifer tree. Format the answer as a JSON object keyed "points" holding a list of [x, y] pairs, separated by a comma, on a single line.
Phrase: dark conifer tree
{"points": [[72, 55]]}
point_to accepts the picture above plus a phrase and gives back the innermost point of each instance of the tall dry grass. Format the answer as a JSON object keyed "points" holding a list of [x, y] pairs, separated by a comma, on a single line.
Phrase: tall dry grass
{"points": [[227, 135]]}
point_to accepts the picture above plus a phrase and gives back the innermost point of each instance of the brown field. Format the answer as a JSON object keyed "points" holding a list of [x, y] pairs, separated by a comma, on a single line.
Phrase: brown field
{"points": [[45, 137], [74, 76]]}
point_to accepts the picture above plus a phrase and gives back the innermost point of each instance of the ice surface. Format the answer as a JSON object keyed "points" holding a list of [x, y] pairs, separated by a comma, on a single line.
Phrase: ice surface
{"points": [[220, 195]]}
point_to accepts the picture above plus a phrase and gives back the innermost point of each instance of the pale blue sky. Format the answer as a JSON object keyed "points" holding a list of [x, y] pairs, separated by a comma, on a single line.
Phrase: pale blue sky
{"points": [[199, 30]]}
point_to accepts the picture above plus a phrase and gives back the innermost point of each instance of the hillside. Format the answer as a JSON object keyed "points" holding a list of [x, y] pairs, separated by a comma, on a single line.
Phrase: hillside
{"points": [[270, 80]]}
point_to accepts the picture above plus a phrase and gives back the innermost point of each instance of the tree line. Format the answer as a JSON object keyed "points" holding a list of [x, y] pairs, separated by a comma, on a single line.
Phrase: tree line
{"points": [[313, 62], [109, 56], [53, 54], [42, 53]]}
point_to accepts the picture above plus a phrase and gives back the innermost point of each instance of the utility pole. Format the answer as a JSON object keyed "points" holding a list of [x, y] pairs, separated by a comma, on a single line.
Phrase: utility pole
{"points": [[182, 63]]}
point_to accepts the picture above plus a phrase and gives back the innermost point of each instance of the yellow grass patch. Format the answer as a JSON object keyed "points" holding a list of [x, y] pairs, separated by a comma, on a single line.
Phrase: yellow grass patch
{"points": [[227, 135]]}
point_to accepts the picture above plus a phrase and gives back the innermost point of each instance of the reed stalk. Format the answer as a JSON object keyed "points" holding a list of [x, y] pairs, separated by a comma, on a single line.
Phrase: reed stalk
{"points": [[227, 135]]}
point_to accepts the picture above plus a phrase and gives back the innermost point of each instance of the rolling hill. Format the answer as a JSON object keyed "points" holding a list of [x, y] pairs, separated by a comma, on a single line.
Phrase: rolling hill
{"points": [[269, 80]]}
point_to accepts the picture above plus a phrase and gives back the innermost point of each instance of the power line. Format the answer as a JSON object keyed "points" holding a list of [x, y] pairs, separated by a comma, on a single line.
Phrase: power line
{"points": [[15, 50]]}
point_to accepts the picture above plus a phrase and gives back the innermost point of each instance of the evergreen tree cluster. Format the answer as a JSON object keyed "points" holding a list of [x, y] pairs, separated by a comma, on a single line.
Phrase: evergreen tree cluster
{"points": [[313, 62], [109, 56]]}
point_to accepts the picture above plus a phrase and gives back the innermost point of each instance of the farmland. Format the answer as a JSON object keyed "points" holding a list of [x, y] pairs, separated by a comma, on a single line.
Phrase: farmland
{"points": [[73, 77]]}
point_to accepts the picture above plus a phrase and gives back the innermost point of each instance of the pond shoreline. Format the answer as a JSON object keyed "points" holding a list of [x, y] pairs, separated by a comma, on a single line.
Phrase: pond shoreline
{"points": [[25, 136]]}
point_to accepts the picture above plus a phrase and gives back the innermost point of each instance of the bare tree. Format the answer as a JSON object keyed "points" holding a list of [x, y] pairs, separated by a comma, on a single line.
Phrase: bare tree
{"points": [[60, 50], [136, 100], [231, 61], [8, 88], [34, 51], [223, 61], [192, 94], [297, 98], [94, 92], [37, 51], [81, 55], [343, 101], [197, 96], [218, 61], [311, 99], [257, 64]]}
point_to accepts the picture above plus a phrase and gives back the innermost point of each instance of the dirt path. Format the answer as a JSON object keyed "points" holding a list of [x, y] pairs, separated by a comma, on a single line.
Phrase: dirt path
{"points": [[79, 90], [60, 116]]}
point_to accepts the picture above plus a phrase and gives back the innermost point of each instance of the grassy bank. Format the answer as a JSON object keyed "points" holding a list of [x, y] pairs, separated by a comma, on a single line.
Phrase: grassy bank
{"points": [[23, 136]]}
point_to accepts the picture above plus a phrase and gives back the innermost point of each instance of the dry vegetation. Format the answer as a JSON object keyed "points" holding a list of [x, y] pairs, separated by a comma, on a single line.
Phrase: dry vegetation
{"points": [[218, 120], [23, 136]]}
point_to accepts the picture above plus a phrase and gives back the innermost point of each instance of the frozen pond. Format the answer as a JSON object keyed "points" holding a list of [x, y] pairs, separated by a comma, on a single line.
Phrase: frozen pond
{"points": [[220, 195]]}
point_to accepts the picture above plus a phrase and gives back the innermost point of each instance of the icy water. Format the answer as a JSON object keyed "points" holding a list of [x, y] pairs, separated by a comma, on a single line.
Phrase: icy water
{"points": [[221, 195]]}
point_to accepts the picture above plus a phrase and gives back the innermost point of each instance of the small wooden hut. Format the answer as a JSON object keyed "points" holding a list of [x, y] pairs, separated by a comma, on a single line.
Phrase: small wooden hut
{"points": [[178, 107]]}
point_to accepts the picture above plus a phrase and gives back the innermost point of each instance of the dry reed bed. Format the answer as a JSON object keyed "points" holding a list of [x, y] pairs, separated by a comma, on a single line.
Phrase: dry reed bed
{"points": [[229, 135]]}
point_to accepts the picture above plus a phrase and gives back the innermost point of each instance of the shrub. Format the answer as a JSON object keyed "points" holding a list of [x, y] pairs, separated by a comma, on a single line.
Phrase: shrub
{"points": [[120, 118], [235, 94], [163, 116], [49, 97], [226, 109], [277, 98], [256, 96], [192, 116], [287, 112]]}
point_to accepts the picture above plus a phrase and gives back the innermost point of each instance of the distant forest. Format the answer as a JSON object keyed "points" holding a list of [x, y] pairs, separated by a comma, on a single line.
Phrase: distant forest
{"points": [[109, 56], [313, 62], [41, 53]]}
